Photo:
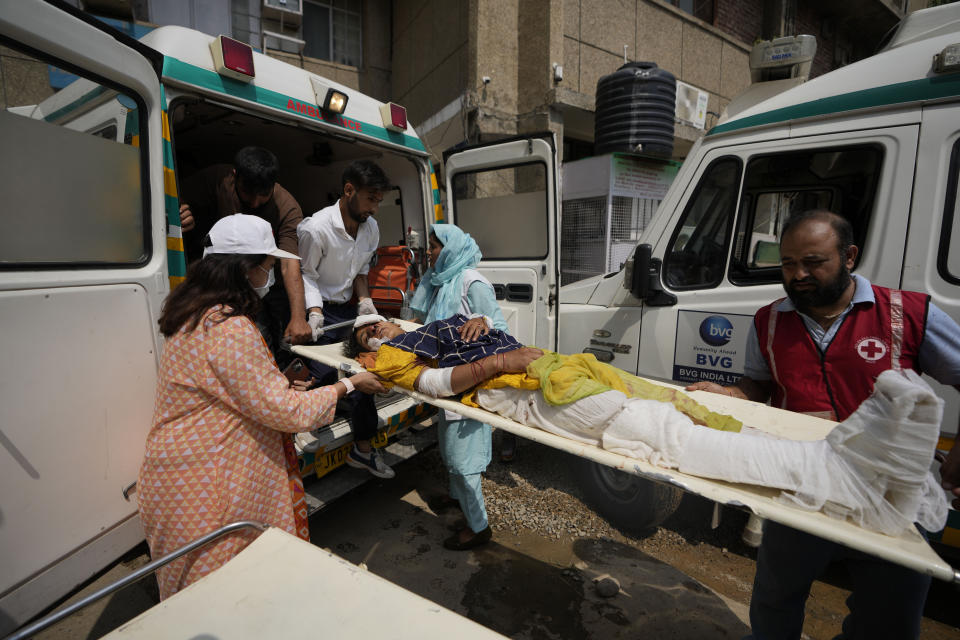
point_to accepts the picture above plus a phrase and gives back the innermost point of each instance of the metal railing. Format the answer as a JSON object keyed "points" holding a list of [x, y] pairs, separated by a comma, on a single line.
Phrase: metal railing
{"points": [[142, 572]]}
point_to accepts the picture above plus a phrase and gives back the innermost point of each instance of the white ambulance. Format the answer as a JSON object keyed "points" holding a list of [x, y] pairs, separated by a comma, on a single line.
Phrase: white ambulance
{"points": [[91, 245], [877, 141]]}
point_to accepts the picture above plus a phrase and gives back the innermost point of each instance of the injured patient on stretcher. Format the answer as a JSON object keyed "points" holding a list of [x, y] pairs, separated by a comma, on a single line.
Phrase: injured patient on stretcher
{"points": [[872, 469]]}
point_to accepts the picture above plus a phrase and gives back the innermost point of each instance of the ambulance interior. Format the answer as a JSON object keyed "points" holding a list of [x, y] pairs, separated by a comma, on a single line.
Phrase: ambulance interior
{"points": [[311, 167]]}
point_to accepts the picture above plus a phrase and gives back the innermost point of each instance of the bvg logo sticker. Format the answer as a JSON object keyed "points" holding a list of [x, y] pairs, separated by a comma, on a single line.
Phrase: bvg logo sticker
{"points": [[716, 331], [871, 349]]}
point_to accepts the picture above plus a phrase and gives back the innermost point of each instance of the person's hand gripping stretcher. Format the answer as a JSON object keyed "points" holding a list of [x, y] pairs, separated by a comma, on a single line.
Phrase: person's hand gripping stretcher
{"points": [[872, 469]]}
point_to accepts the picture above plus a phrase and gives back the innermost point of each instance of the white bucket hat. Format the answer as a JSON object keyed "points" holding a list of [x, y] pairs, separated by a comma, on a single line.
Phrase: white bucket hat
{"points": [[244, 234]]}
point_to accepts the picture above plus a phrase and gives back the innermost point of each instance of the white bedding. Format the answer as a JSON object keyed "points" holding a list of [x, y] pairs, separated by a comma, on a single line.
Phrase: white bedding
{"points": [[872, 469], [908, 548]]}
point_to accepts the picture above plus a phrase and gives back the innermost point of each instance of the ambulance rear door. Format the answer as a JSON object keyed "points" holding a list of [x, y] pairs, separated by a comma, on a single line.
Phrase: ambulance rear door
{"points": [[504, 194], [82, 276]]}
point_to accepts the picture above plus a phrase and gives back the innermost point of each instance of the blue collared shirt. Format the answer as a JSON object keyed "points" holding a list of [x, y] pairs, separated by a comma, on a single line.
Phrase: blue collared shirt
{"points": [[939, 351]]}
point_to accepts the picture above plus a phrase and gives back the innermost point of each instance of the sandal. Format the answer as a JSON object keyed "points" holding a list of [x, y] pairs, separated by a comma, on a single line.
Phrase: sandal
{"points": [[454, 544]]}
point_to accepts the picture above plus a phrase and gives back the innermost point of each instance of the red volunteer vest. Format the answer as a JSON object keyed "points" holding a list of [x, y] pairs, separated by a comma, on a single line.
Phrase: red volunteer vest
{"points": [[871, 339]]}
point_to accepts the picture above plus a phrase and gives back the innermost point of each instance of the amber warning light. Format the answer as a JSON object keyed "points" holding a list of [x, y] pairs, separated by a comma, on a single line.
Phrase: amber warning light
{"points": [[232, 58], [394, 116]]}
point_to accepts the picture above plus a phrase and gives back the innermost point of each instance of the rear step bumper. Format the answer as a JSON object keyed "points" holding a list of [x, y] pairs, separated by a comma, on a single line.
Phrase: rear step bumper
{"points": [[405, 428], [322, 491]]}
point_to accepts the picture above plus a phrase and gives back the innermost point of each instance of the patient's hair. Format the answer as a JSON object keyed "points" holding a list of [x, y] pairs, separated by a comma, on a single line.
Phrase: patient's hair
{"points": [[352, 347]]}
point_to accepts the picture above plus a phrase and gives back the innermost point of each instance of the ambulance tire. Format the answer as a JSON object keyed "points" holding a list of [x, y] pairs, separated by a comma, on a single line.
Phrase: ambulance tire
{"points": [[627, 501]]}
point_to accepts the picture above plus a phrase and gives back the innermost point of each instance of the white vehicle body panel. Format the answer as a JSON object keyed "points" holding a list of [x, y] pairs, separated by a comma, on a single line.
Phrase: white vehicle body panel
{"points": [[81, 343], [80, 352], [535, 315], [257, 595]]}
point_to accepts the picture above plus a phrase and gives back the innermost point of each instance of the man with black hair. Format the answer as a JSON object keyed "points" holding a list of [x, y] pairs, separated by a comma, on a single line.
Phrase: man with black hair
{"points": [[336, 245], [819, 351], [250, 186]]}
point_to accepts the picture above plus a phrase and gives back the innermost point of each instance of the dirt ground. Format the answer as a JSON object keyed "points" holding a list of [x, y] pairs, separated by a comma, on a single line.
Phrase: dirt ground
{"points": [[537, 578]]}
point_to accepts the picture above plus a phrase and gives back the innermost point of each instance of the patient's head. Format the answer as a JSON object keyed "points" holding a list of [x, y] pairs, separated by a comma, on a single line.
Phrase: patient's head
{"points": [[369, 337]]}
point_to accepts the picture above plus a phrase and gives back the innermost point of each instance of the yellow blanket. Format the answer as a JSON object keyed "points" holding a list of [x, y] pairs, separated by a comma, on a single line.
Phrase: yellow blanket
{"points": [[562, 379]]}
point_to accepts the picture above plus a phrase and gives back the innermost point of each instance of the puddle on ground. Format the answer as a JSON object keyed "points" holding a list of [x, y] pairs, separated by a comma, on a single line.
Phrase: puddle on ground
{"points": [[528, 587], [516, 594]]}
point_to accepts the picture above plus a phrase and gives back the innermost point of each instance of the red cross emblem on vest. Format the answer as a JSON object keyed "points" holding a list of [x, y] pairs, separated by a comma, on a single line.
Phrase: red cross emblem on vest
{"points": [[871, 349]]}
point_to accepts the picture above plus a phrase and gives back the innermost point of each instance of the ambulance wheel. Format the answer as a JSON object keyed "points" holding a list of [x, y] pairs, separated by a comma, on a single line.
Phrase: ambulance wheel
{"points": [[632, 503]]}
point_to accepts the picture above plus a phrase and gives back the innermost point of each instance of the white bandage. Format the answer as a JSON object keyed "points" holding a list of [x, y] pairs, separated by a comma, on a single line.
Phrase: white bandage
{"points": [[348, 385], [368, 318], [436, 383]]}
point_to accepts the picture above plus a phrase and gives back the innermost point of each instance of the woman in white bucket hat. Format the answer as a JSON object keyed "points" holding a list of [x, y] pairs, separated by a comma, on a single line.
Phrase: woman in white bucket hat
{"points": [[220, 449]]}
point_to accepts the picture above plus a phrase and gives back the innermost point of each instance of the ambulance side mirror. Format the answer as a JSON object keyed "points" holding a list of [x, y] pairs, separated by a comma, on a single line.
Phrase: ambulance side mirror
{"points": [[642, 278]]}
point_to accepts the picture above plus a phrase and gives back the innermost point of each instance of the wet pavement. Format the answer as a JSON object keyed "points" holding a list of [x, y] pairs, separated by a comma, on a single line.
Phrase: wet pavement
{"points": [[522, 585], [537, 578]]}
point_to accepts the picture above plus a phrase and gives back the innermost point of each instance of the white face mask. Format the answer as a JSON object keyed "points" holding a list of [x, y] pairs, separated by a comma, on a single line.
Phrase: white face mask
{"points": [[262, 291]]}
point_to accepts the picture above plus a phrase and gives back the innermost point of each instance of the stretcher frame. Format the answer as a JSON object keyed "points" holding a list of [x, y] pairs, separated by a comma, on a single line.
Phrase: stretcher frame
{"points": [[909, 549]]}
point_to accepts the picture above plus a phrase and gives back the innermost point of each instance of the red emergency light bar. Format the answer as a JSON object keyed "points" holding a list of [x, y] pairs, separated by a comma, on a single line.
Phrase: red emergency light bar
{"points": [[232, 58], [394, 116]]}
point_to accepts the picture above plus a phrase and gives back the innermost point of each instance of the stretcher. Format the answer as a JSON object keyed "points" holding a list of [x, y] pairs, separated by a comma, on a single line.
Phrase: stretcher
{"points": [[909, 549]]}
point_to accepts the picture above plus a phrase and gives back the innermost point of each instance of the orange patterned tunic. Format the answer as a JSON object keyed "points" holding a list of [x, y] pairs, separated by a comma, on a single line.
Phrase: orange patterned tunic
{"points": [[215, 453]]}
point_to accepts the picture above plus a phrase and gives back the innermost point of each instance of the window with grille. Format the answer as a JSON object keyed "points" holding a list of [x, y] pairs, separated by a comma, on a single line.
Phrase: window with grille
{"points": [[332, 31], [702, 9]]}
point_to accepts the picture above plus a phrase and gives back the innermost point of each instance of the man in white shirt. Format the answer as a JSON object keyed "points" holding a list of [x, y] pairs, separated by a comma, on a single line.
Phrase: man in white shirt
{"points": [[336, 245]]}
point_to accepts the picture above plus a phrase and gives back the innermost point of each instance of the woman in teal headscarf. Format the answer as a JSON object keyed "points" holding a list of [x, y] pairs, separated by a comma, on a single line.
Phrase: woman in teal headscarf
{"points": [[450, 286]]}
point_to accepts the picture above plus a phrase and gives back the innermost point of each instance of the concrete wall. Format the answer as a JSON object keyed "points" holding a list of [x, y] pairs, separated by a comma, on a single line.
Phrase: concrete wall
{"points": [[443, 50], [375, 77], [431, 65], [596, 31], [742, 20], [498, 57]]}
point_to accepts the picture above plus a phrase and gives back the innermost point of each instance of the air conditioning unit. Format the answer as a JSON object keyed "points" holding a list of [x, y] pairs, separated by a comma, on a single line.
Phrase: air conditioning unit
{"points": [[288, 12], [783, 58], [691, 105]]}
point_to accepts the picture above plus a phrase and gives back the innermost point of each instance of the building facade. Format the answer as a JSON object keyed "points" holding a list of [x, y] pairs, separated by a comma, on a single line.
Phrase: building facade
{"points": [[474, 70]]}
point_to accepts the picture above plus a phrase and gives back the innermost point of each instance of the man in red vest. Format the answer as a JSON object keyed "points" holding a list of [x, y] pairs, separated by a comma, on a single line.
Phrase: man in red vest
{"points": [[819, 351]]}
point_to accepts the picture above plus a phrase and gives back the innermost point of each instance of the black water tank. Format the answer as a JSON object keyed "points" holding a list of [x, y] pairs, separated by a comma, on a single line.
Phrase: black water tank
{"points": [[635, 110]]}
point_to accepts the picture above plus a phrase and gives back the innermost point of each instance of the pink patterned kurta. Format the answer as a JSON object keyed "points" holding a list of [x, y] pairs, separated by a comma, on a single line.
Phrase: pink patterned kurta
{"points": [[215, 453]]}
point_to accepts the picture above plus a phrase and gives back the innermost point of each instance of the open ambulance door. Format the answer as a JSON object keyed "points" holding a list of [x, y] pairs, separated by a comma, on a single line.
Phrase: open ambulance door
{"points": [[504, 194], [83, 272]]}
